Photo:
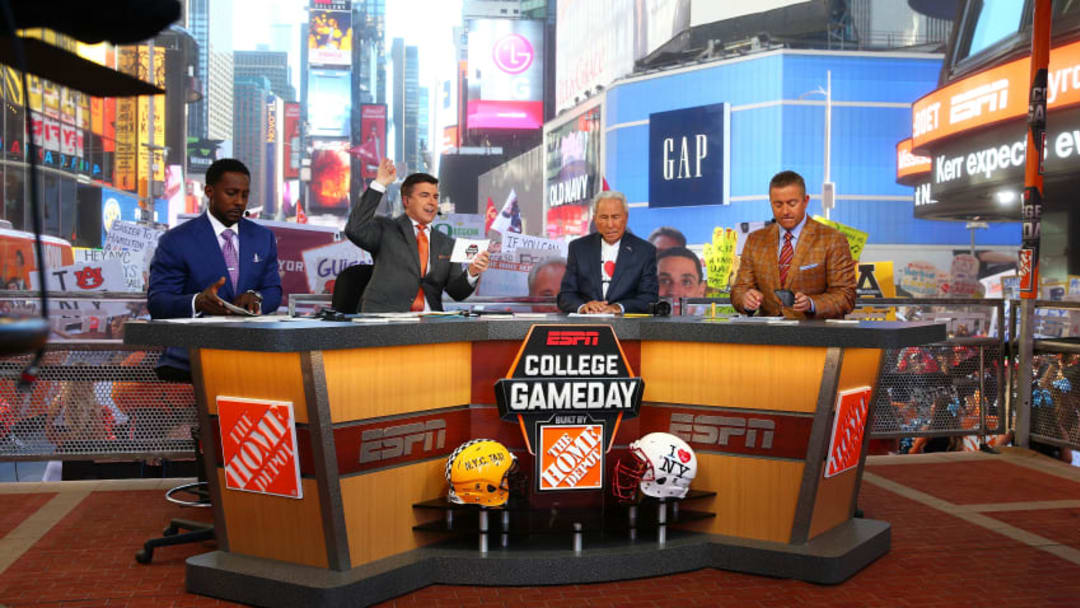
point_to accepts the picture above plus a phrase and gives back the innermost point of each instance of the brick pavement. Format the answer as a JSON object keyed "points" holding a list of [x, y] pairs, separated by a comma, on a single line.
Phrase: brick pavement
{"points": [[937, 558]]}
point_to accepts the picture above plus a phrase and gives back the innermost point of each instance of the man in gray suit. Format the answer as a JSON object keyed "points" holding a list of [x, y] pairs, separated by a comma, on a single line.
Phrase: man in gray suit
{"points": [[412, 262]]}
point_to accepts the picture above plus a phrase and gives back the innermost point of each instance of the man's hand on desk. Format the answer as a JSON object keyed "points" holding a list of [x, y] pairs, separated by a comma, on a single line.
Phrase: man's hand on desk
{"points": [[599, 306], [249, 301], [802, 302], [479, 263], [208, 302], [752, 300]]}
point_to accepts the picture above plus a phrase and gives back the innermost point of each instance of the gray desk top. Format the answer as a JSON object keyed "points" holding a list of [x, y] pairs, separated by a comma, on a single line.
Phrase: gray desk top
{"points": [[302, 335]]}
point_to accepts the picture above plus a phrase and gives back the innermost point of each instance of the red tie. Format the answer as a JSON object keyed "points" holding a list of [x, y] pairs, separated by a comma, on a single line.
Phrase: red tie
{"points": [[786, 253], [422, 250]]}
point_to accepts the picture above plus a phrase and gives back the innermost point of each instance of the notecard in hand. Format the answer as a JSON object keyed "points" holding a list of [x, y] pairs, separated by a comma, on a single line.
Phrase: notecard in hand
{"points": [[467, 249]]}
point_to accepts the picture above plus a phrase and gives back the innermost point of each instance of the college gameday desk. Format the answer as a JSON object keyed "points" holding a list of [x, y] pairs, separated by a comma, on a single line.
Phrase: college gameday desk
{"points": [[378, 408]]}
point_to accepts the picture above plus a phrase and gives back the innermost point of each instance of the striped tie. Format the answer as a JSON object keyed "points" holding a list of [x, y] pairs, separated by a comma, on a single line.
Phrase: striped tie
{"points": [[786, 253]]}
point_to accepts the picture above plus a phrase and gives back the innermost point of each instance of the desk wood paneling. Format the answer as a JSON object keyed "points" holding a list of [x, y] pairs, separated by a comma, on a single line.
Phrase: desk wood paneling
{"points": [[273, 527], [732, 375], [385, 381], [254, 375]]}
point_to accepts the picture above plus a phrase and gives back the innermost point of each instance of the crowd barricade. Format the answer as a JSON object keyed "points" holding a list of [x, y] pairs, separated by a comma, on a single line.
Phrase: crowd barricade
{"points": [[955, 390], [1055, 380], [94, 397]]}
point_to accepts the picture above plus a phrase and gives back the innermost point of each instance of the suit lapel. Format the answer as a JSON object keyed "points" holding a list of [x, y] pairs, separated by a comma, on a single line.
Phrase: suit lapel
{"points": [[772, 269], [806, 243], [208, 242], [622, 262], [407, 231], [596, 271]]}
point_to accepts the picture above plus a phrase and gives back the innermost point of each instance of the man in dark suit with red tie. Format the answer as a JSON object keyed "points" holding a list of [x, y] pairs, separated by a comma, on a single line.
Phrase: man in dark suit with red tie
{"points": [[611, 271], [412, 262], [798, 254], [217, 257]]}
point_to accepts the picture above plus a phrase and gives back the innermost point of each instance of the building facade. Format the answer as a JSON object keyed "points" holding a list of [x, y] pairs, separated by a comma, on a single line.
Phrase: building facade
{"points": [[274, 65]]}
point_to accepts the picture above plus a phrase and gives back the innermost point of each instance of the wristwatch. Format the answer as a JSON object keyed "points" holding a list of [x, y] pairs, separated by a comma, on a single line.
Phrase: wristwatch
{"points": [[258, 296]]}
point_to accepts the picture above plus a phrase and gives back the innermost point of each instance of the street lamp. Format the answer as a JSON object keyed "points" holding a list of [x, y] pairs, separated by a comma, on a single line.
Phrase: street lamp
{"points": [[828, 188]]}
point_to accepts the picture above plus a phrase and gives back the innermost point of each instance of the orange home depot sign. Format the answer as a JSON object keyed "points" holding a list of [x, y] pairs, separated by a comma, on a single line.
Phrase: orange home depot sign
{"points": [[849, 425], [258, 445], [997, 94], [572, 457]]}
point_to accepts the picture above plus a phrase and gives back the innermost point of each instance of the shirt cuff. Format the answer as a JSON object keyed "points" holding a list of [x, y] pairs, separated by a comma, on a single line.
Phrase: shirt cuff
{"points": [[376, 186], [622, 309], [813, 309], [193, 313], [469, 277]]}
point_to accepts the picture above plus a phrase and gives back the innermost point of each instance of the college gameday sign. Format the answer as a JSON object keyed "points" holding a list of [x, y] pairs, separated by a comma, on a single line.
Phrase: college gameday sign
{"points": [[258, 445], [569, 389]]}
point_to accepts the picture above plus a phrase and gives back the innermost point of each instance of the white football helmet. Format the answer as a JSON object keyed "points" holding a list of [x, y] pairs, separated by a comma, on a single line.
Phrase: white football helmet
{"points": [[667, 465]]}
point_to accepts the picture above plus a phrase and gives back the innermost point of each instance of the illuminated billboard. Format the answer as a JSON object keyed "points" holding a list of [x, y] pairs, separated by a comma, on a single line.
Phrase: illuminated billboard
{"points": [[330, 176], [572, 175], [291, 140], [329, 102], [372, 148], [506, 74], [330, 38]]}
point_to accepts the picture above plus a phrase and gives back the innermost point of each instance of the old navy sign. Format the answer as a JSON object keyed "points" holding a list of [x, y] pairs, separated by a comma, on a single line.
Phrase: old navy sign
{"points": [[569, 389], [689, 160]]}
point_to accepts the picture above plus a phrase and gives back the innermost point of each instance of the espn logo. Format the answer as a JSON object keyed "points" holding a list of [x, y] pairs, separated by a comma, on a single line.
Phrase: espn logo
{"points": [[573, 338], [969, 104], [718, 430], [394, 441]]}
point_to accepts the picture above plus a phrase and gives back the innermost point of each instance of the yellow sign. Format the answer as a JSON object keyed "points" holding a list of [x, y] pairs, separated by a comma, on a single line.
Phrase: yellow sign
{"points": [[875, 280], [720, 258], [856, 238]]}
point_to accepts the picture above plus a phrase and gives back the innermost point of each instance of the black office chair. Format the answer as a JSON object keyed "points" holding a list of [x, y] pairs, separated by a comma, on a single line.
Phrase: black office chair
{"points": [[349, 288], [197, 531]]}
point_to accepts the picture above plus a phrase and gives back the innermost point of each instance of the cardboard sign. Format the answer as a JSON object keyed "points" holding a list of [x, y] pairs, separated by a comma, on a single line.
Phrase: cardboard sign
{"points": [[572, 457], [323, 264], [849, 425], [856, 238], [258, 446], [105, 275]]}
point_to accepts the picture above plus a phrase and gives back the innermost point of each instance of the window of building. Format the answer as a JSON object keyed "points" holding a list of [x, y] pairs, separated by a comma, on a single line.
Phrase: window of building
{"points": [[14, 201], [990, 22], [50, 203]]}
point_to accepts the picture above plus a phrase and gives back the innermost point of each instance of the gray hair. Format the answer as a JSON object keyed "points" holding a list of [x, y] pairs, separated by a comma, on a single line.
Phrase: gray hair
{"points": [[609, 195]]}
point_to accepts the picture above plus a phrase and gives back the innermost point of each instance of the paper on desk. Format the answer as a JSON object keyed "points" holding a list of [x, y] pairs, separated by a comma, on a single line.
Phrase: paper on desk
{"points": [[467, 249], [233, 308], [591, 314]]}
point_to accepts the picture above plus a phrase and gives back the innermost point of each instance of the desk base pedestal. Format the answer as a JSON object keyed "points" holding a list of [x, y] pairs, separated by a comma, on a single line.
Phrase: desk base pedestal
{"points": [[830, 558]]}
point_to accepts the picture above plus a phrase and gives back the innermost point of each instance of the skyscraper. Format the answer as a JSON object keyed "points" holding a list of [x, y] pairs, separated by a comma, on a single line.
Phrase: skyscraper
{"points": [[249, 130], [274, 65], [423, 129], [369, 54], [211, 25], [406, 103]]}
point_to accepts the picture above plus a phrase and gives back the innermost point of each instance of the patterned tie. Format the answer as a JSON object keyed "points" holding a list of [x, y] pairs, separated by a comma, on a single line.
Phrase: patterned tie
{"points": [[422, 250], [786, 253], [232, 258]]}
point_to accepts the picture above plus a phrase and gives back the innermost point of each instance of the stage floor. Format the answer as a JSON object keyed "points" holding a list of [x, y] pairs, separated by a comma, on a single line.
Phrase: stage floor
{"points": [[967, 529]]}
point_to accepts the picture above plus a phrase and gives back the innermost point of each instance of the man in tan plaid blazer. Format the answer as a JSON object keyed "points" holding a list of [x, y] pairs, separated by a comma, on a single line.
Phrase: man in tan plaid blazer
{"points": [[795, 253]]}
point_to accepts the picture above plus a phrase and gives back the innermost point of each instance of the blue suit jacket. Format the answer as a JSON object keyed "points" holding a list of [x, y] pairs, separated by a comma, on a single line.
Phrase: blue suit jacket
{"points": [[188, 259], [634, 283]]}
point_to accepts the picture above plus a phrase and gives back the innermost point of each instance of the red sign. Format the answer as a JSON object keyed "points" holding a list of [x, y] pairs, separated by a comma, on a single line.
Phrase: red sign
{"points": [[1026, 270], [909, 164], [572, 338], [849, 426], [292, 140], [258, 445], [571, 457], [372, 148]]}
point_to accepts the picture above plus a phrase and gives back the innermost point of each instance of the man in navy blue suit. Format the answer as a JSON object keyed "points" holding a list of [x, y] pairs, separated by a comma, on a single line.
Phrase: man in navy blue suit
{"points": [[215, 258], [610, 271]]}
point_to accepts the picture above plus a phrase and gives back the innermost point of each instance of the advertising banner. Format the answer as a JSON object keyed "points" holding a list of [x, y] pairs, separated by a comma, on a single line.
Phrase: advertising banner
{"points": [[258, 446], [329, 102], [323, 264], [874, 280], [572, 175], [116, 206], [330, 38], [922, 279], [33, 85], [689, 158], [124, 159], [291, 140], [506, 74], [596, 46], [330, 177], [372, 148]]}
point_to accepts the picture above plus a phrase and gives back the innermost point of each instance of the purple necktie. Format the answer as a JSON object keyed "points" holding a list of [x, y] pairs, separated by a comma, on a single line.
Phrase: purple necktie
{"points": [[232, 258]]}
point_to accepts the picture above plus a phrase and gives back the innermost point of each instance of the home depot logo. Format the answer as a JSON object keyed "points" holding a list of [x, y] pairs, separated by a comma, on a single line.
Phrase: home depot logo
{"points": [[573, 338], [258, 440], [849, 426]]}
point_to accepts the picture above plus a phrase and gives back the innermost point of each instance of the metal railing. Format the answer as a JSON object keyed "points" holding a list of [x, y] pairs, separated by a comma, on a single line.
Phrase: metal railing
{"points": [[1055, 382]]}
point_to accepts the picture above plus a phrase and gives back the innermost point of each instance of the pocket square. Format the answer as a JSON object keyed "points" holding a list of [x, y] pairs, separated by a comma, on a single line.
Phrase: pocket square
{"points": [[809, 266], [256, 259]]}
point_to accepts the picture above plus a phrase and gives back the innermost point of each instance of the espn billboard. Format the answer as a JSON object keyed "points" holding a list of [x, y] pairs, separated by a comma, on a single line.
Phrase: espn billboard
{"points": [[506, 74]]}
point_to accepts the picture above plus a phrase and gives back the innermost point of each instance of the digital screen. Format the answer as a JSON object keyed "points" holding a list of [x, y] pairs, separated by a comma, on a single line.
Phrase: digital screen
{"points": [[330, 176], [372, 148], [329, 102], [330, 38], [506, 74]]}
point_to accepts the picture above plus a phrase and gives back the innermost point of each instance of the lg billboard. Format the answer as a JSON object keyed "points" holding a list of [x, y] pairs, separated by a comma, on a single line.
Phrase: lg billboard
{"points": [[506, 74]]}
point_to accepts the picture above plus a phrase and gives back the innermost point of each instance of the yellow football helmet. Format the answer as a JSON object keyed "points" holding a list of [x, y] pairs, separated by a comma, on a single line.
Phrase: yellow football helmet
{"points": [[479, 471]]}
